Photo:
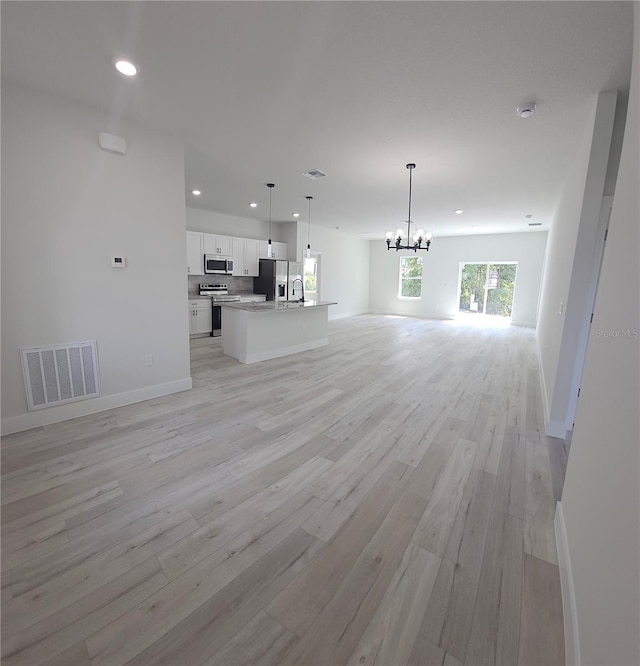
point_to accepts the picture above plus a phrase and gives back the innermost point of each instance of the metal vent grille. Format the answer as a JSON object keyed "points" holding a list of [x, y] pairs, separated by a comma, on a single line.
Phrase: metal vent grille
{"points": [[314, 174], [60, 373], [535, 224]]}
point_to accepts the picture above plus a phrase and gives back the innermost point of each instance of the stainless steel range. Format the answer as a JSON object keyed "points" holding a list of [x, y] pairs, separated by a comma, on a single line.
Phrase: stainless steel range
{"points": [[219, 294]]}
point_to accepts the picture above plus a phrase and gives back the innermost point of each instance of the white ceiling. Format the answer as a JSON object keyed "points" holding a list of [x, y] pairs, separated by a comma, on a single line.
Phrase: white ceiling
{"points": [[261, 91]]}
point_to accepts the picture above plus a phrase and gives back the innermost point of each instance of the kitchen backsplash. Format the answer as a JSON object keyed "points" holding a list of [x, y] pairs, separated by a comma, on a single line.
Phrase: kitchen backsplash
{"points": [[236, 284]]}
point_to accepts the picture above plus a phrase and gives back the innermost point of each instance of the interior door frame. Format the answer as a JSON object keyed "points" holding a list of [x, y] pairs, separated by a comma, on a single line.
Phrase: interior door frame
{"points": [[585, 329]]}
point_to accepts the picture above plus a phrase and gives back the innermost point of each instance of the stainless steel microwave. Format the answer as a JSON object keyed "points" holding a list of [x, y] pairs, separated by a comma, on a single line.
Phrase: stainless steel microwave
{"points": [[215, 264]]}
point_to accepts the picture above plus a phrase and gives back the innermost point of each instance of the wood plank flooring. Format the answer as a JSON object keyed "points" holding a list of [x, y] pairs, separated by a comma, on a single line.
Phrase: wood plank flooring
{"points": [[386, 500]]}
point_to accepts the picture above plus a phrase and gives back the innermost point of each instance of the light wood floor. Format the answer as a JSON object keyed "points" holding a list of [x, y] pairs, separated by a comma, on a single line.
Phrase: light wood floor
{"points": [[387, 500]]}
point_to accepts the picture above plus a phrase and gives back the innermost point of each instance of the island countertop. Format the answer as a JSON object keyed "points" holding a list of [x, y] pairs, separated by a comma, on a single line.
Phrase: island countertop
{"points": [[253, 332], [276, 306]]}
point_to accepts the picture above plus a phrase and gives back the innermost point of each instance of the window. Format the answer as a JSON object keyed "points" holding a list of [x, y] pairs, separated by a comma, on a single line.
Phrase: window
{"points": [[311, 278], [410, 277]]}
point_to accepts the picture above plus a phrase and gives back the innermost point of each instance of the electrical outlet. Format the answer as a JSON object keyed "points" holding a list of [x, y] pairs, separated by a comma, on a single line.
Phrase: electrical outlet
{"points": [[148, 359]]}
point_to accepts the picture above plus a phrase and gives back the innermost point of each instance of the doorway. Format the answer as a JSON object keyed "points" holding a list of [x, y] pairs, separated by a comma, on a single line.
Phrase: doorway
{"points": [[487, 289]]}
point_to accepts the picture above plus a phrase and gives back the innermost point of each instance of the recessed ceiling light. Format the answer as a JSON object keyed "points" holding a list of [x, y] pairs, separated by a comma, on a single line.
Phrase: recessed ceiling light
{"points": [[253, 204], [296, 214], [459, 211], [125, 67], [196, 193]]}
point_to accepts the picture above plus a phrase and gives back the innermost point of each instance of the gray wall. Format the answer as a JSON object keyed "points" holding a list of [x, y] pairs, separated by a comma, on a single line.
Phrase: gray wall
{"points": [[600, 502], [441, 270], [67, 207]]}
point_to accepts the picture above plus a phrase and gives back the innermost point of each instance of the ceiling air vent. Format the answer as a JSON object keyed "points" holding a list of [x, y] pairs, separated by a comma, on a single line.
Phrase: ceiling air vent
{"points": [[314, 174], [535, 224]]}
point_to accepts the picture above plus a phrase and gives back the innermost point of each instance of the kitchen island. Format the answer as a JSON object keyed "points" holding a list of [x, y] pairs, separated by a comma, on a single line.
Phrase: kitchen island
{"points": [[253, 332]]}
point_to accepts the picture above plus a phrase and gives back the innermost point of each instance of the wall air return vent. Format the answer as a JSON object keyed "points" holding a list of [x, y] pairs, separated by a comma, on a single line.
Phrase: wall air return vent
{"points": [[535, 224], [60, 373], [314, 174]]}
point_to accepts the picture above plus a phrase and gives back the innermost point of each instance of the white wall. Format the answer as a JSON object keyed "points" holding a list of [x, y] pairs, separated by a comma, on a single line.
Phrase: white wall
{"points": [[230, 225], [441, 268], [344, 267], [571, 256], [600, 502], [67, 207]]}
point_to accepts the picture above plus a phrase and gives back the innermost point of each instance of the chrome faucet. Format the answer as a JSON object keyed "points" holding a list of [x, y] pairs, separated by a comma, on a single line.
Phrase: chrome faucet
{"points": [[293, 288]]}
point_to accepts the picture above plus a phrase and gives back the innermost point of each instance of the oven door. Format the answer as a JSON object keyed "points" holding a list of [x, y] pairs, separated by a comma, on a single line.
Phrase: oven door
{"points": [[216, 320], [220, 265]]}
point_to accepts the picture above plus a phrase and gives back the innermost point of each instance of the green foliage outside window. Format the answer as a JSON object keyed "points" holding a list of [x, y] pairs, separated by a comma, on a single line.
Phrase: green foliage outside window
{"points": [[499, 300], [474, 281], [310, 274], [474, 277], [411, 277]]}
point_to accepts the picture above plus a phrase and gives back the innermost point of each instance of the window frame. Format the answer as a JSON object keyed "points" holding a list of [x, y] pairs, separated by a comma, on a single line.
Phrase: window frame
{"points": [[400, 278]]}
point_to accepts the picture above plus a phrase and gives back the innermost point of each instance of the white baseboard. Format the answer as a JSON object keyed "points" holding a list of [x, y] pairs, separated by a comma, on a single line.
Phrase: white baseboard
{"points": [[72, 410], [412, 315], [344, 315], [283, 351], [524, 324], [555, 429], [571, 635], [551, 428]]}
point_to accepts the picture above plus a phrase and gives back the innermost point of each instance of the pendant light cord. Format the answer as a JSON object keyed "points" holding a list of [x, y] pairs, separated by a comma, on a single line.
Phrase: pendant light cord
{"points": [[270, 186], [409, 219]]}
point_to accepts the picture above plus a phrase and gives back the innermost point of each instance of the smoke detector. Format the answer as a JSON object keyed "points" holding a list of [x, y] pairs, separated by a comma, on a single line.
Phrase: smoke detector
{"points": [[526, 110], [314, 174]]}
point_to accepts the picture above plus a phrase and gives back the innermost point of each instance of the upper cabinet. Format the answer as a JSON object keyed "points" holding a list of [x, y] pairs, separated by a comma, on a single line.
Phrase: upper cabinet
{"points": [[279, 250], [246, 257], [246, 252], [195, 253], [220, 245]]}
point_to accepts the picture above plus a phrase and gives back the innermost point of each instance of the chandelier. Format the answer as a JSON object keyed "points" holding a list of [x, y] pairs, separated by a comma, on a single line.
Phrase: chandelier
{"points": [[421, 240]]}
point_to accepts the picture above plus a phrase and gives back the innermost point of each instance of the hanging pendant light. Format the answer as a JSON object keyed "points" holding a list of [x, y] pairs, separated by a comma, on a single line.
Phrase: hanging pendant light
{"points": [[308, 252], [269, 245], [419, 237]]}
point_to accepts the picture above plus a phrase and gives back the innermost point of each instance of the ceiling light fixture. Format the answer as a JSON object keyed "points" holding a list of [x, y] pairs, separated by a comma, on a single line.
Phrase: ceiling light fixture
{"points": [[419, 236], [253, 204], [196, 193], [269, 246], [125, 67], [459, 211], [526, 110], [296, 214], [309, 230]]}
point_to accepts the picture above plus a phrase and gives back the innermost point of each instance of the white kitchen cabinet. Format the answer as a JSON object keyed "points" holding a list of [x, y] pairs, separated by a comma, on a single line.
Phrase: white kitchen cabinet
{"points": [[199, 316], [246, 257], [220, 245], [279, 250], [195, 253]]}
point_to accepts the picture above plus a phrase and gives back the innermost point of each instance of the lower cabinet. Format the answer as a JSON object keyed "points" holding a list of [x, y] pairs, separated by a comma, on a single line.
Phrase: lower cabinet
{"points": [[199, 317]]}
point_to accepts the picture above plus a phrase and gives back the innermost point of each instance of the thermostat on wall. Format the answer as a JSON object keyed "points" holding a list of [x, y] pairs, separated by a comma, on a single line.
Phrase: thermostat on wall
{"points": [[118, 262]]}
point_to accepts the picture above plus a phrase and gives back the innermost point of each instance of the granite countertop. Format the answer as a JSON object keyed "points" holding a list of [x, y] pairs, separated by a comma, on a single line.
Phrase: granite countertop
{"points": [[276, 306]]}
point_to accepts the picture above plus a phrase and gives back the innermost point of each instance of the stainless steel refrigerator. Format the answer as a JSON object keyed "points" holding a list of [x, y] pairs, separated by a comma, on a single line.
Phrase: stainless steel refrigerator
{"points": [[276, 278]]}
